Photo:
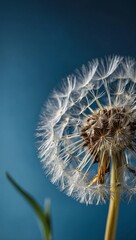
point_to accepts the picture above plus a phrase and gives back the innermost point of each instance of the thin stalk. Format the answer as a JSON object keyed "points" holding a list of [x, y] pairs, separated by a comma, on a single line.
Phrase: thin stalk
{"points": [[114, 200]]}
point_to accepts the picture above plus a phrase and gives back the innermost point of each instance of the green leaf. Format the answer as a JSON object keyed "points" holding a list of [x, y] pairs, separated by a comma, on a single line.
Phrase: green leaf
{"points": [[47, 212], [44, 218]]}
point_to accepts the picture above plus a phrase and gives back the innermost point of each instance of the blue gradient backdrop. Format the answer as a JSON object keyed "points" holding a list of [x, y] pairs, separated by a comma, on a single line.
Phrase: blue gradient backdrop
{"points": [[40, 43]]}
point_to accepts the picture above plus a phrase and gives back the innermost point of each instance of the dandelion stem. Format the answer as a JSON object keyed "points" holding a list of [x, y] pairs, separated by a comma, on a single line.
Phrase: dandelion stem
{"points": [[114, 200]]}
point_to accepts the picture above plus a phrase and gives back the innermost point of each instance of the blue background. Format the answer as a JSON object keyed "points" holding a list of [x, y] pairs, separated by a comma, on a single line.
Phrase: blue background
{"points": [[40, 43]]}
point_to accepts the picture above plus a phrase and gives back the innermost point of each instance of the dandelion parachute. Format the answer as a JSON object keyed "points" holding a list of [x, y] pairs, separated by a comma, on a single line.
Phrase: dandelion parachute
{"points": [[87, 122]]}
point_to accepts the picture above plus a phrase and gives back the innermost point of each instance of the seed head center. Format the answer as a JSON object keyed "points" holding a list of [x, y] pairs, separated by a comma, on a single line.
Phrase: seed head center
{"points": [[109, 129]]}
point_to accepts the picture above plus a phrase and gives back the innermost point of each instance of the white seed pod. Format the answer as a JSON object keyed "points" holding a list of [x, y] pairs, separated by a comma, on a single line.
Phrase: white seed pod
{"points": [[88, 120]]}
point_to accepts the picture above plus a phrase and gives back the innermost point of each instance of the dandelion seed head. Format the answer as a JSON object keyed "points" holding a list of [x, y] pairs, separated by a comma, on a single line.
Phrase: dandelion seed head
{"points": [[88, 120]]}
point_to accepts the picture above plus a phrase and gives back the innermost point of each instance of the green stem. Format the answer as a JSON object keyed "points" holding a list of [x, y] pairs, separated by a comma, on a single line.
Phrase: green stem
{"points": [[114, 200]]}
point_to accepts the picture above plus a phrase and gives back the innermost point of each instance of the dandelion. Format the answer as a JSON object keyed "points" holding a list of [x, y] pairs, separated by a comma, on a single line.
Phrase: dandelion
{"points": [[87, 134]]}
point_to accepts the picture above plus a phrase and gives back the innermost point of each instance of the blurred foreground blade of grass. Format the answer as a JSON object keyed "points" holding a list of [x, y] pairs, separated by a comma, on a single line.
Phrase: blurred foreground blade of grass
{"points": [[43, 215], [47, 213]]}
